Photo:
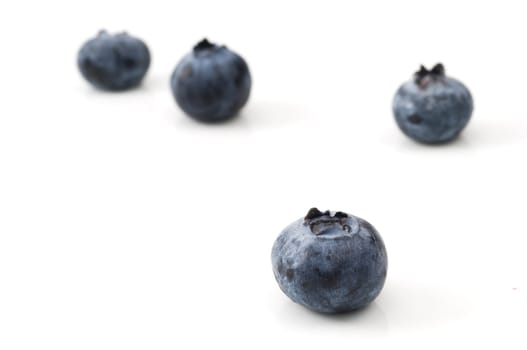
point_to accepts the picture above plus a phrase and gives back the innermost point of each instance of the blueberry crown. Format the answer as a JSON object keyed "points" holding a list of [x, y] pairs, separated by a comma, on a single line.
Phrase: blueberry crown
{"points": [[203, 45], [319, 222], [423, 76]]}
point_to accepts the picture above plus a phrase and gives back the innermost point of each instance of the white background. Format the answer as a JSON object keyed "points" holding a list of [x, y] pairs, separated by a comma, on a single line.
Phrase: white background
{"points": [[126, 225]]}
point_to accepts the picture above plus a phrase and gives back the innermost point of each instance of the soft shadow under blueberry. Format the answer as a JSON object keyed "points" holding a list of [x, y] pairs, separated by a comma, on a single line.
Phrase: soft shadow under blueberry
{"points": [[402, 306], [496, 132], [272, 114], [370, 318], [181, 120], [154, 83], [93, 91], [256, 116], [478, 134], [411, 306]]}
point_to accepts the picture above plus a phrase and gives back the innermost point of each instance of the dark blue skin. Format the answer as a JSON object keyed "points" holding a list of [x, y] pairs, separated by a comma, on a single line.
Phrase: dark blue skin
{"points": [[330, 263], [211, 84], [432, 108], [114, 62]]}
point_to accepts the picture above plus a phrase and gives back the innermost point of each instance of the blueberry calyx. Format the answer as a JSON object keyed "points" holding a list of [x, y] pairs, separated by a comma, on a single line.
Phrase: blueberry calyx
{"points": [[313, 213], [424, 76], [321, 222], [203, 45]]}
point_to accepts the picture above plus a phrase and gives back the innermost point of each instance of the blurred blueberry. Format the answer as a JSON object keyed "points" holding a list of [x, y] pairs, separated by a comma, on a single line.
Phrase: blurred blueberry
{"points": [[211, 83], [113, 62], [330, 262], [432, 108]]}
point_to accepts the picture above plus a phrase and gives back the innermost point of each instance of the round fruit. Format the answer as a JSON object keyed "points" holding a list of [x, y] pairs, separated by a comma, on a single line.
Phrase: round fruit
{"points": [[330, 262]]}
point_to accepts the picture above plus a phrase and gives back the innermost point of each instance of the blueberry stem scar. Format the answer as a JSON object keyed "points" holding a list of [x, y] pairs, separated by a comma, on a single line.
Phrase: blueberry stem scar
{"points": [[203, 45], [423, 75], [315, 217]]}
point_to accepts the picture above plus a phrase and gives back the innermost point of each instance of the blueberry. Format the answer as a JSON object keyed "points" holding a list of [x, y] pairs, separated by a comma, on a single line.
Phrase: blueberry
{"points": [[330, 262], [113, 62], [432, 108], [211, 83]]}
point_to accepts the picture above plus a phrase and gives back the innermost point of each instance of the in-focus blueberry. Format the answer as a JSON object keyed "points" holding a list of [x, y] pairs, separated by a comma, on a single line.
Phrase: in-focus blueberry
{"points": [[432, 108], [114, 61], [330, 262], [211, 83]]}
